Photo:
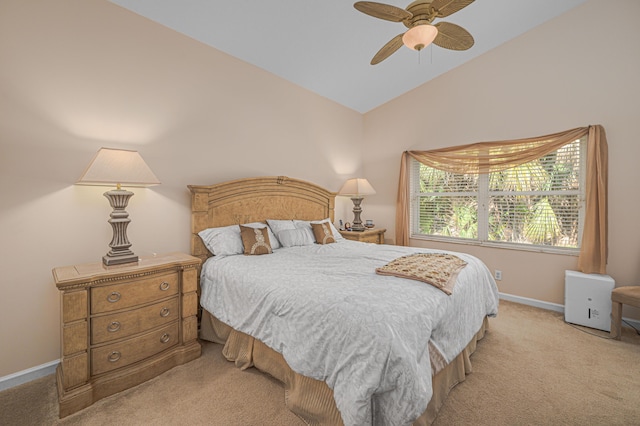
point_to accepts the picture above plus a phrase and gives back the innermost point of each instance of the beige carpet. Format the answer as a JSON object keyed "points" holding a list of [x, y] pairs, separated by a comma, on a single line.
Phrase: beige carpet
{"points": [[530, 369]]}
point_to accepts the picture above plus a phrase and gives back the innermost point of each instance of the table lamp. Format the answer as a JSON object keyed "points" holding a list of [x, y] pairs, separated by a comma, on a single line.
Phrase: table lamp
{"points": [[116, 167], [356, 188]]}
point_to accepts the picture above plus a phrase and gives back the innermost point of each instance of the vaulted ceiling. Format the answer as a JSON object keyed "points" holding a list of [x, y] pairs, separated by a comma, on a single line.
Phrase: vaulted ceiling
{"points": [[326, 45]]}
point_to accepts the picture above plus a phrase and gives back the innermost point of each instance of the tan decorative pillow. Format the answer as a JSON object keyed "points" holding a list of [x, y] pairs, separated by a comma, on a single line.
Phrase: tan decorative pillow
{"points": [[322, 232], [255, 240]]}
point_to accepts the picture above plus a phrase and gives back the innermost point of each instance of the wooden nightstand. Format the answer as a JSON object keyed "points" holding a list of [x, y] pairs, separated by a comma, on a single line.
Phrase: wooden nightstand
{"points": [[123, 325], [366, 236]]}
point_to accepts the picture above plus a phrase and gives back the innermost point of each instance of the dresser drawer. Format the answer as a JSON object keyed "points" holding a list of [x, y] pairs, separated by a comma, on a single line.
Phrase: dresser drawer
{"points": [[124, 324], [119, 296], [374, 238], [367, 236], [121, 354]]}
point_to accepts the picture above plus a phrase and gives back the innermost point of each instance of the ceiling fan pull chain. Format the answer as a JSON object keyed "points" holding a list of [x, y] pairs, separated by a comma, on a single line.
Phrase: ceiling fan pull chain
{"points": [[430, 55]]}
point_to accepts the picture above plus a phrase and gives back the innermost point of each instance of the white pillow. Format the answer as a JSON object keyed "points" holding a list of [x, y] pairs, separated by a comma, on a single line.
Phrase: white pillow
{"points": [[289, 235], [280, 225], [296, 237], [226, 240], [223, 241]]}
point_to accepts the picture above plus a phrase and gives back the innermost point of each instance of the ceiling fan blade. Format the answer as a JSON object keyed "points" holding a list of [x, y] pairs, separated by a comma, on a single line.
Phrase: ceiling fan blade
{"points": [[389, 48], [448, 7], [383, 11], [452, 36]]}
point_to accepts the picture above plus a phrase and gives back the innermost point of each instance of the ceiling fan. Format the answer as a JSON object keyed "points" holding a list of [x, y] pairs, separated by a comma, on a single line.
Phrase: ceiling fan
{"points": [[417, 17]]}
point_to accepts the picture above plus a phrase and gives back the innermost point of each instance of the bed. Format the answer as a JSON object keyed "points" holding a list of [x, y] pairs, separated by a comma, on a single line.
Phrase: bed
{"points": [[351, 346]]}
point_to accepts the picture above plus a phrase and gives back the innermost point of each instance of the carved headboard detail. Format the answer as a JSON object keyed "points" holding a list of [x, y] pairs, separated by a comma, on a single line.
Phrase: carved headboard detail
{"points": [[255, 200]]}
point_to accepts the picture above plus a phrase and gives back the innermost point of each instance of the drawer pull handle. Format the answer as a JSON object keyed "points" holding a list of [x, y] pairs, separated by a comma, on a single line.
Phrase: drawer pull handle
{"points": [[114, 356], [164, 312], [113, 297], [164, 286], [165, 338], [113, 327]]}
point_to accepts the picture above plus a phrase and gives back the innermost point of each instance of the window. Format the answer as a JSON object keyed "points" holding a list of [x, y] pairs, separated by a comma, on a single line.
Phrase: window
{"points": [[536, 204]]}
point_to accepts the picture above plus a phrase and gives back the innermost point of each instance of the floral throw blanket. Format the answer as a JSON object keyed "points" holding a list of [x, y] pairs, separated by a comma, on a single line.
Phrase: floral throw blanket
{"points": [[438, 269]]}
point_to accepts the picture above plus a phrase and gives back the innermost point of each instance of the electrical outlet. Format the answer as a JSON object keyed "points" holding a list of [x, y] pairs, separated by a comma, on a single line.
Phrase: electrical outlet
{"points": [[498, 275]]}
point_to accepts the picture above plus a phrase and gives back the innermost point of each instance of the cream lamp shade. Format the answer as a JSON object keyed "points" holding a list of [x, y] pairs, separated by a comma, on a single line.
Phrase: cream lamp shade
{"points": [[420, 36], [116, 167], [357, 188], [111, 167]]}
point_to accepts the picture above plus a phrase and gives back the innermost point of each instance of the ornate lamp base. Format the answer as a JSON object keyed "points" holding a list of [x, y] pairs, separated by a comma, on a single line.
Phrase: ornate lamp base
{"points": [[119, 253], [110, 260], [357, 222]]}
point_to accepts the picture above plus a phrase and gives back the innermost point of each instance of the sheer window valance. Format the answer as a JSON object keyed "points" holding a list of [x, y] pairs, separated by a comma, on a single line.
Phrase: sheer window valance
{"points": [[488, 157]]}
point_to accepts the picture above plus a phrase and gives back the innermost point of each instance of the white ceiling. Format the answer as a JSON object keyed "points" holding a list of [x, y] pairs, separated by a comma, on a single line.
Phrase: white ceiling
{"points": [[326, 45]]}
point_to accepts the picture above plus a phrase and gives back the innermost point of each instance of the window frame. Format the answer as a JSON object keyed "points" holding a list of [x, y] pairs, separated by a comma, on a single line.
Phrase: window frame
{"points": [[483, 196]]}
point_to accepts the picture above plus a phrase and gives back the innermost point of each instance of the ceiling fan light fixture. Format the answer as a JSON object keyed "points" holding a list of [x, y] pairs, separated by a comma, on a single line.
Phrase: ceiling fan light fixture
{"points": [[420, 36]]}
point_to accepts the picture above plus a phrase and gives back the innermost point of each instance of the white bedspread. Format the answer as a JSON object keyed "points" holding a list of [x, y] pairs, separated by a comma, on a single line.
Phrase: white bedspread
{"points": [[333, 318]]}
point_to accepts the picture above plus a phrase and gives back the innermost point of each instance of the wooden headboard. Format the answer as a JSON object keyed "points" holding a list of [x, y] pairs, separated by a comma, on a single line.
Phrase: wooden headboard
{"points": [[255, 200]]}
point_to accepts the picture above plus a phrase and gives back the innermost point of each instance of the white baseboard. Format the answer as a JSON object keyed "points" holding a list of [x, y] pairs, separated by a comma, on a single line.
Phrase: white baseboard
{"points": [[532, 302], [551, 306], [635, 323], [28, 375]]}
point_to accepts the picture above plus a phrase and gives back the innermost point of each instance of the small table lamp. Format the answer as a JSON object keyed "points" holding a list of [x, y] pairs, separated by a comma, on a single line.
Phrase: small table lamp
{"points": [[118, 167], [356, 188]]}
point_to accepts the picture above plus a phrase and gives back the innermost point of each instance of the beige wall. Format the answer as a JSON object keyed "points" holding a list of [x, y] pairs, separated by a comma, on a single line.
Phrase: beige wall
{"points": [[81, 74], [77, 75], [564, 74]]}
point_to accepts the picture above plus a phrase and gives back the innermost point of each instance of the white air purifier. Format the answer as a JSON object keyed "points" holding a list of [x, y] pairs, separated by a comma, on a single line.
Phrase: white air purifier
{"points": [[587, 299]]}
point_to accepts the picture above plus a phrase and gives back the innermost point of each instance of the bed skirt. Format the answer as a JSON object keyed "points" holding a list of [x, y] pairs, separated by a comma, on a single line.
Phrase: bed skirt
{"points": [[310, 399]]}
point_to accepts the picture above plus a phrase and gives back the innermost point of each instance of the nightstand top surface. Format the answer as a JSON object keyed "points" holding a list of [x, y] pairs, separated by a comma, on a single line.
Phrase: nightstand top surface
{"points": [[87, 271], [365, 232]]}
